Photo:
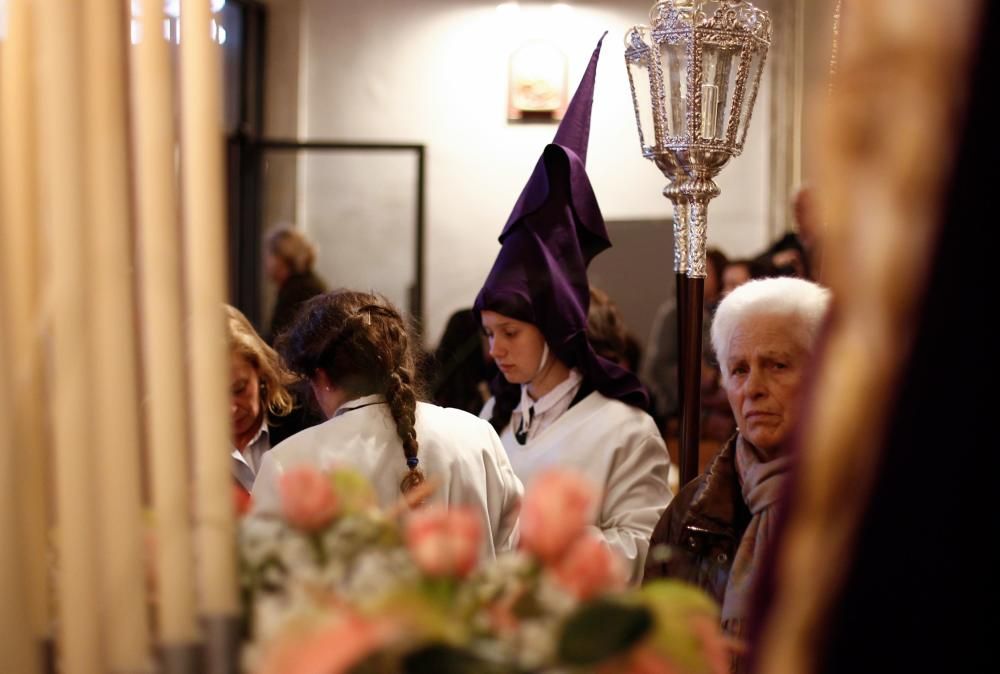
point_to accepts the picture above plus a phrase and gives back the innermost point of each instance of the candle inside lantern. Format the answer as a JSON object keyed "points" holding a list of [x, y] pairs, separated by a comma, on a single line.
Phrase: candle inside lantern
{"points": [[709, 108], [710, 94]]}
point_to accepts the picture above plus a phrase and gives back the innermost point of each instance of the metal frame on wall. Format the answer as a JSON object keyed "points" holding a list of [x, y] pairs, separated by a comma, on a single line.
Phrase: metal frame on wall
{"points": [[252, 226], [244, 236], [246, 151]]}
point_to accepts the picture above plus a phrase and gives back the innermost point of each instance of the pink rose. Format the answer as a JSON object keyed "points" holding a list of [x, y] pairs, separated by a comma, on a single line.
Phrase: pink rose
{"points": [[332, 649], [555, 512], [444, 542], [588, 568], [307, 499]]}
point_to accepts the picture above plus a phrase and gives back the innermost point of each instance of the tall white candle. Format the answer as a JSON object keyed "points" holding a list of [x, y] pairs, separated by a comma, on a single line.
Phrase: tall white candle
{"points": [[162, 328], [204, 219], [116, 410], [18, 651], [60, 88], [21, 270]]}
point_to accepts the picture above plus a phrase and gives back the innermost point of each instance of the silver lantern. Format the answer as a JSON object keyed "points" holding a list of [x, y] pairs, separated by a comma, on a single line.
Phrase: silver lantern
{"points": [[694, 73]]}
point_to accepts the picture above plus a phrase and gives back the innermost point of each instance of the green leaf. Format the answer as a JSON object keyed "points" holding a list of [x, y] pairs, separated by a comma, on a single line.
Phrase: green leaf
{"points": [[675, 605], [444, 659], [428, 618], [354, 491], [678, 597], [602, 629]]}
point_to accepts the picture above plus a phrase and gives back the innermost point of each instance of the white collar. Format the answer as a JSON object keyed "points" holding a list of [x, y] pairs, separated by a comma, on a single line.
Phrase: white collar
{"points": [[550, 399], [263, 430], [357, 403], [260, 431]]}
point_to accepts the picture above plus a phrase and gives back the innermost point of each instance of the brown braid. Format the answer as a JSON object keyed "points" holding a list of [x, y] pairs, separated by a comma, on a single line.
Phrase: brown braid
{"points": [[363, 345], [403, 405]]}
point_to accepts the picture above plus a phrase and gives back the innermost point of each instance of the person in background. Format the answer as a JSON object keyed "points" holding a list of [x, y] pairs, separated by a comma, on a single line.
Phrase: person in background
{"points": [[715, 264], [263, 405], [607, 332], [805, 210], [606, 328], [633, 354], [735, 274], [289, 261], [659, 369], [785, 257], [461, 366]]}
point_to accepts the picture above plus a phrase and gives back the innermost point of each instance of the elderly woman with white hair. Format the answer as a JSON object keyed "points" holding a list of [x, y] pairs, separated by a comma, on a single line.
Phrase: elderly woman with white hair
{"points": [[716, 530]]}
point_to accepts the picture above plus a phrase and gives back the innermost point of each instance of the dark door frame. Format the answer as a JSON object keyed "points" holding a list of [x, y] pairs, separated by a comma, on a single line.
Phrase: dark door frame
{"points": [[246, 213], [246, 147]]}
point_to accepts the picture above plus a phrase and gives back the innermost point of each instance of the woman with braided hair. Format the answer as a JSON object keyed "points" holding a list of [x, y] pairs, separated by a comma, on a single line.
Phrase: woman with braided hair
{"points": [[355, 350]]}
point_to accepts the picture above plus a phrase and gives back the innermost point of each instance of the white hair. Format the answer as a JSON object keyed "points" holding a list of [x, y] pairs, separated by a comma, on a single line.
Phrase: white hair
{"points": [[802, 301]]}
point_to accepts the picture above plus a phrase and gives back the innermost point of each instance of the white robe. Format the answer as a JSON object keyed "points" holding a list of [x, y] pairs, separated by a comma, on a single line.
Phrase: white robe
{"points": [[458, 451], [619, 449]]}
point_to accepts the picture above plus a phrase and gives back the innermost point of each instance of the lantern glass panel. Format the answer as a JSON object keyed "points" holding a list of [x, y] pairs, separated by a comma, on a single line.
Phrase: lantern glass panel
{"points": [[719, 68], [674, 62], [753, 81], [639, 78]]}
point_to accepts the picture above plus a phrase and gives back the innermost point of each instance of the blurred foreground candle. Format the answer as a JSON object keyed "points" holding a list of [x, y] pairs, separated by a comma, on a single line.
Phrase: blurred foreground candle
{"points": [[162, 329], [204, 220], [57, 39], [116, 408], [21, 270]]}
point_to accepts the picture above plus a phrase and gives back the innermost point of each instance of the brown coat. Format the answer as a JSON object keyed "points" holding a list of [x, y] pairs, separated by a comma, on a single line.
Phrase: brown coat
{"points": [[700, 530]]}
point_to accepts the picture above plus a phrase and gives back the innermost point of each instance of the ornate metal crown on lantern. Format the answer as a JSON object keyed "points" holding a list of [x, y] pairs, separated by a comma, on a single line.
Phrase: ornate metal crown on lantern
{"points": [[694, 73]]}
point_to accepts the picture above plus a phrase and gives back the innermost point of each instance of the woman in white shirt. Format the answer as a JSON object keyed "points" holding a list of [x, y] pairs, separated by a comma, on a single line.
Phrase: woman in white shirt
{"points": [[557, 404], [355, 350]]}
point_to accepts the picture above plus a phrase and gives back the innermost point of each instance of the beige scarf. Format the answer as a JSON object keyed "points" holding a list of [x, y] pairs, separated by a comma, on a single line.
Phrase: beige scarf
{"points": [[763, 483]]}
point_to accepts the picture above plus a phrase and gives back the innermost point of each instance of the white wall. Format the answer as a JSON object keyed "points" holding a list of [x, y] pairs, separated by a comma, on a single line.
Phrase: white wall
{"points": [[283, 64], [435, 72]]}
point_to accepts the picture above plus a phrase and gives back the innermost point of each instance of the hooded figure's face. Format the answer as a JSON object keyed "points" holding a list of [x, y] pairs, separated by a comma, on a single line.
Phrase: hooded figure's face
{"points": [[515, 346]]}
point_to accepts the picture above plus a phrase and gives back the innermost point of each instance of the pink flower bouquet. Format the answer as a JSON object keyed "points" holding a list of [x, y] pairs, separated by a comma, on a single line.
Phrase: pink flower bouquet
{"points": [[335, 585]]}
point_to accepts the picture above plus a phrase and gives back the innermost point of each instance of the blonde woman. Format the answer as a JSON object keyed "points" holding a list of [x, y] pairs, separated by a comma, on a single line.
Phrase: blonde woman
{"points": [[264, 408]]}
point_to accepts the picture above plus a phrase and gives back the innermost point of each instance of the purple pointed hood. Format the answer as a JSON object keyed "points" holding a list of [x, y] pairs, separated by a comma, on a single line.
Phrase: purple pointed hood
{"points": [[554, 231]]}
